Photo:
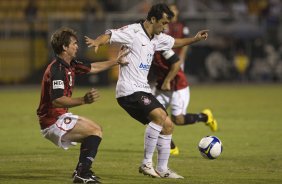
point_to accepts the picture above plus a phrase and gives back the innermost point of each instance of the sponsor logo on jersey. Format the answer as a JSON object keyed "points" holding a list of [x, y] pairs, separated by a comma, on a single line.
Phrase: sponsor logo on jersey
{"points": [[58, 84], [144, 66]]}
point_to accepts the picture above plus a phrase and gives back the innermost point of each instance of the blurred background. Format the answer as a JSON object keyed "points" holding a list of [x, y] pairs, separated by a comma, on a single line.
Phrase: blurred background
{"points": [[244, 44]]}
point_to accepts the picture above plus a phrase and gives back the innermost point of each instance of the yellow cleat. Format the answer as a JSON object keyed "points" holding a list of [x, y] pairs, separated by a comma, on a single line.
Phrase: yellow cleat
{"points": [[212, 123], [174, 151]]}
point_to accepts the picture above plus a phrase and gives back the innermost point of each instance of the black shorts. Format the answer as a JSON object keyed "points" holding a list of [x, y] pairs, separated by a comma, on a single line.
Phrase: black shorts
{"points": [[139, 105]]}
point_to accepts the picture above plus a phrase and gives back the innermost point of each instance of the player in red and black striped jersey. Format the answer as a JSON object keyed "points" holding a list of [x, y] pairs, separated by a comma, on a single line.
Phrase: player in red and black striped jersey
{"points": [[171, 85], [58, 81], [57, 124]]}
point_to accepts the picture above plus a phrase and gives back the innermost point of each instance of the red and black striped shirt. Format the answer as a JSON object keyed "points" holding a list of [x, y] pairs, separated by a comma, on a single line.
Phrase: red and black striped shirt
{"points": [[58, 81]]}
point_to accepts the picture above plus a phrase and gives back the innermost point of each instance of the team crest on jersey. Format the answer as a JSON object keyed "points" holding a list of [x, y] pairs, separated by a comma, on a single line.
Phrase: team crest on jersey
{"points": [[145, 100], [58, 84], [67, 120]]}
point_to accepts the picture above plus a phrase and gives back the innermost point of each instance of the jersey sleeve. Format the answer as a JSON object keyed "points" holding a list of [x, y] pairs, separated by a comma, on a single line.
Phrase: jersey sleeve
{"points": [[122, 35], [57, 83], [165, 42], [170, 56], [81, 67]]}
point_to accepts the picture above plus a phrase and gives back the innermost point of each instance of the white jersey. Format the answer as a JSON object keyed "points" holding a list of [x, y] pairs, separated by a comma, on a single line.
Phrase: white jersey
{"points": [[133, 77]]}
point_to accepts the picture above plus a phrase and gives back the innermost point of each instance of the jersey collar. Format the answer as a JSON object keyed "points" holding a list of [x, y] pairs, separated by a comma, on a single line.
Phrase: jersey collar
{"points": [[62, 62], [142, 25]]}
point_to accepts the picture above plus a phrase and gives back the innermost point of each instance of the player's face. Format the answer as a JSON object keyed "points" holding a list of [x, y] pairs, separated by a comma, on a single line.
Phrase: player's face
{"points": [[72, 48], [175, 11], [160, 25]]}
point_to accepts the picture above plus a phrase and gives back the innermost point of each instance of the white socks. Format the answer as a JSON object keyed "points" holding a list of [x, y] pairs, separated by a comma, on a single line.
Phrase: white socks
{"points": [[163, 147], [152, 133], [154, 139]]}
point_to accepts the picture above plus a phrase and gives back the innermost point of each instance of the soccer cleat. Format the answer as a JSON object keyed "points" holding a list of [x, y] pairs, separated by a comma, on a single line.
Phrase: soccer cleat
{"points": [[211, 122], [74, 173], [174, 151], [148, 170], [85, 178], [169, 174], [93, 174]]}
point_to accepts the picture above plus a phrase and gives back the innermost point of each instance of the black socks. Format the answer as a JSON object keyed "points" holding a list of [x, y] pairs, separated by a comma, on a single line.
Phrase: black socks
{"points": [[88, 151], [193, 118]]}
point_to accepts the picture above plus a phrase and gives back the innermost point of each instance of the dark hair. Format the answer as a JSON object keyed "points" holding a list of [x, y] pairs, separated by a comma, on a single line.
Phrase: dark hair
{"points": [[157, 11], [61, 38]]}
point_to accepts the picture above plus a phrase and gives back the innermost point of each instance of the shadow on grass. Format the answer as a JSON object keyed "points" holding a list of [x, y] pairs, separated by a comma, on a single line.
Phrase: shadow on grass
{"points": [[23, 177]]}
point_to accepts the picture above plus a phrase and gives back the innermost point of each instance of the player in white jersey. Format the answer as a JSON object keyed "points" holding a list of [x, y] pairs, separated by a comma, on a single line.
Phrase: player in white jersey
{"points": [[133, 92]]}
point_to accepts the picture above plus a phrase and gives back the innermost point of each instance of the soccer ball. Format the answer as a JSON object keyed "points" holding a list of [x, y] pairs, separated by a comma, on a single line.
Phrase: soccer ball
{"points": [[210, 147]]}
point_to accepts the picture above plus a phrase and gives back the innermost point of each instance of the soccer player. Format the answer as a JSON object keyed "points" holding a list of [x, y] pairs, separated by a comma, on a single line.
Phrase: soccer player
{"points": [[57, 124], [171, 86], [133, 92]]}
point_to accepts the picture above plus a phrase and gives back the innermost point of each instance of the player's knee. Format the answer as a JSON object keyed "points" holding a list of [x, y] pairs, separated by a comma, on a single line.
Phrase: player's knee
{"points": [[168, 127], [96, 130], [99, 131], [158, 116]]}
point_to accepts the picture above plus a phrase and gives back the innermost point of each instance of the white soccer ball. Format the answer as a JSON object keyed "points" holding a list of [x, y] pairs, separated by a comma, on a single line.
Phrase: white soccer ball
{"points": [[210, 147]]}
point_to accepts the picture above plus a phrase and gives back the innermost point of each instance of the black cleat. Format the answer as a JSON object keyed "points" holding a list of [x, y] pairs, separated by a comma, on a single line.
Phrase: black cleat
{"points": [[93, 174], [88, 177]]}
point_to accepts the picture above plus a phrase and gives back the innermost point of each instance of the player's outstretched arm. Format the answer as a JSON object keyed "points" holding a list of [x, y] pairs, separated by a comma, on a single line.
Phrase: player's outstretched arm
{"points": [[104, 65], [101, 40], [174, 68], [68, 102], [201, 35]]}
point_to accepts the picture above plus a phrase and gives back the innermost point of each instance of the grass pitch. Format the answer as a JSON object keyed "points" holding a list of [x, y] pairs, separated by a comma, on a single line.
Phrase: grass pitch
{"points": [[250, 128]]}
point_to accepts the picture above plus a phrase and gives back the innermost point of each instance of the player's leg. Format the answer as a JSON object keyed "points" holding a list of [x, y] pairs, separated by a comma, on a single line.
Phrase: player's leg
{"points": [[164, 97], [69, 129], [179, 103], [152, 133], [205, 116], [90, 135], [138, 106], [163, 147], [147, 109]]}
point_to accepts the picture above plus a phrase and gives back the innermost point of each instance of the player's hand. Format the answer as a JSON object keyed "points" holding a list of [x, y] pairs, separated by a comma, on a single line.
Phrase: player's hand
{"points": [[91, 96], [92, 43], [166, 86], [122, 53], [202, 35]]}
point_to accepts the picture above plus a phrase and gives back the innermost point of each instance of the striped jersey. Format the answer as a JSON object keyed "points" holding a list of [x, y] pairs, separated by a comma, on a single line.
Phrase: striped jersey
{"points": [[58, 81]]}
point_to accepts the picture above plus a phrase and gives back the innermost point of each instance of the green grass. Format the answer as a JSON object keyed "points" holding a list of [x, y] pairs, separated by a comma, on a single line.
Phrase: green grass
{"points": [[250, 128]]}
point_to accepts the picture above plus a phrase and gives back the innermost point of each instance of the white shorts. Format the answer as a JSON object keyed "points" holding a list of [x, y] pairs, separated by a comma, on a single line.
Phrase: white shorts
{"points": [[178, 100], [55, 132]]}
